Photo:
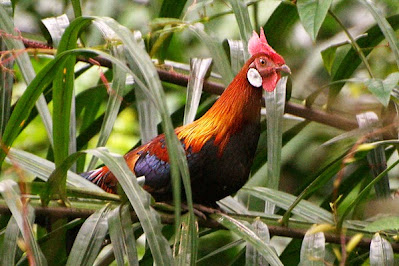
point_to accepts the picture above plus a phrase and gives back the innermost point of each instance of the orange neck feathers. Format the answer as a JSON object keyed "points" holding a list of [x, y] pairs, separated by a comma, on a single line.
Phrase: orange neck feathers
{"points": [[238, 106]]}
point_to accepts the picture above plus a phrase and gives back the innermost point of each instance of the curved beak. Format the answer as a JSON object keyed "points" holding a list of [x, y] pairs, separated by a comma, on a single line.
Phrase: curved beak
{"points": [[284, 68]]}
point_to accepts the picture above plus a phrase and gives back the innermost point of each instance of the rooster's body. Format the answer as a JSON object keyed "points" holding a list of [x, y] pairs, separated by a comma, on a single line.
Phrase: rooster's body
{"points": [[220, 146]]}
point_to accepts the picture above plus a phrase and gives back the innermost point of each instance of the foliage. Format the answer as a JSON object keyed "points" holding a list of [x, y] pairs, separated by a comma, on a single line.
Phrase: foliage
{"points": [[321, 174]]}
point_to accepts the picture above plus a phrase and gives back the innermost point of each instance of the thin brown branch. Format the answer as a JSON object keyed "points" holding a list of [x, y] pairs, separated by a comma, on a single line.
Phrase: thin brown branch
{"points": [[319, 116], [62, 212]]}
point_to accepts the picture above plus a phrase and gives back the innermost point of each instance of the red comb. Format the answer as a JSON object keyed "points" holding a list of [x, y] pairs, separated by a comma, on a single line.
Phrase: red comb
{"points": [[258, 44]]}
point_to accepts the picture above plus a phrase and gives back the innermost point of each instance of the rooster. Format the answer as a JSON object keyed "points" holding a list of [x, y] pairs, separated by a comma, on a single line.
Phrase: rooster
{"points": [[220, 146]]}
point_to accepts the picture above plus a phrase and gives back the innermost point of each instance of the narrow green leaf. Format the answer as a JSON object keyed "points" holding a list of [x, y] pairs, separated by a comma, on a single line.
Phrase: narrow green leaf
{"points": [[56, 27], [384, 224], [344, 68], [376, 157], [122, 235], [237, 55], [43, 168], [252, 256], [200, 69], [385, 27], [77, 9], [275, 103], [312, 14], [171, 8], [381, 252], [328, 56], [184, 252], [9, 245], [240, 10], [15, 44], [305, 209], [248, 235], [11, 194], [140, 201], [89, 240], [382, 88], [219, 57], [313, 249]]}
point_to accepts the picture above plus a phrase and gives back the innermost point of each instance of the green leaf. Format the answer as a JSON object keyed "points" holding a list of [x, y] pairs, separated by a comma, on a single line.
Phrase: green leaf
{"points": [[345, 67], [43, 168], [248, 235], [385, 27], [122, 235], [200, 69], [275, 103], [384, 224], [12, 195], [185, 253], [381, 252], [9, 245], [328, 56], [27, 71], [244, 23], [313, 249], [77, 9], [312, 14], [305, 209], [89, 240], [382, 88], [56, 27], [252, 256]]}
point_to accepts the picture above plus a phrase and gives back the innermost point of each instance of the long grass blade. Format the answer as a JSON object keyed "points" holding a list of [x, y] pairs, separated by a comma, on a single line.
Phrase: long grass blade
{"points": [[248, 235], [240, 10], [376, 157], [21, 57], [275, 103], [43, 168], [89, 240], [237, 55], [385, 27], [184, 253], [122, 236], [199, 71], [12, 195], [304, 209], [9, 245], [252, 256]]}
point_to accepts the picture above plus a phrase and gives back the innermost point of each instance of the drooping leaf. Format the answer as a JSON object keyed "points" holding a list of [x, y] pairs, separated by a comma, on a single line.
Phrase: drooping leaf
{"points": [[313, 249], [328, 56], [382, 88], [381, 252], [312, 14], [248, 235], [89, 240], [252, 256]]}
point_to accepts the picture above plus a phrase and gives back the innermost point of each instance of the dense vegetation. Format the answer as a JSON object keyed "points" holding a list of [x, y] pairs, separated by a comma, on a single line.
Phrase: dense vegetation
{"points": [[80, 75]]}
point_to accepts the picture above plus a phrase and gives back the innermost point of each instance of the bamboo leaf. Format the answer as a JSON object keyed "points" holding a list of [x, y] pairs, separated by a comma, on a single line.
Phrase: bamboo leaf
{"points": [[199, 71], [56, 27], [219, 57], [312, 14], [385, 27], [305, 209], [9, 245], [275, 103], [376, 157], [14, 43], [383, 224], [184, 252], [12, 195], [382, 88], [381, 252], [252, 256], [122, 235], [248, 235], [244, 23], [237, 55], [313, 249], [89, 240], [328, 56]]}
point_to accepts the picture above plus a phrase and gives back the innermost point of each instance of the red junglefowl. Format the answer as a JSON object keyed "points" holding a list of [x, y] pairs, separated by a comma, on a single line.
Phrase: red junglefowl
{"points": [[220, 146]]}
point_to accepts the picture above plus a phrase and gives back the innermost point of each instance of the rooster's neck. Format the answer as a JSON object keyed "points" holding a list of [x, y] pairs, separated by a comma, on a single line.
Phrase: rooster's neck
{"points": [[238, 107]]}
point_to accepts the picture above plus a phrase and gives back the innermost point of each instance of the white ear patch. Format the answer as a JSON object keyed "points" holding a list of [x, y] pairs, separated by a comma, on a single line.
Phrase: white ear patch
{"points": [[254, 77]]}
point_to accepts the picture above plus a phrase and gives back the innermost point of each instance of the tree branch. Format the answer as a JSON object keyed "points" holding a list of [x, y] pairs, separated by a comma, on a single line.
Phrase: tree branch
{"points": [[312, 114], [63, 212]]}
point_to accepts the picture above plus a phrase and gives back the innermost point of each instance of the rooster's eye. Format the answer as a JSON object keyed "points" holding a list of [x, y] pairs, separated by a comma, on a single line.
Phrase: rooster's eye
{"points": [[262, 61]]}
